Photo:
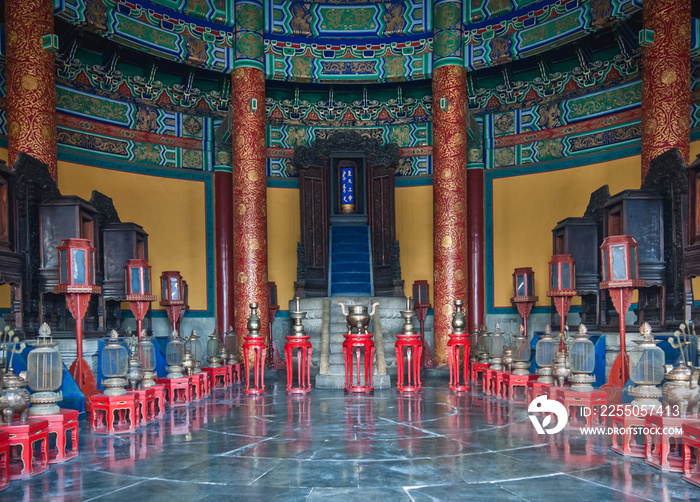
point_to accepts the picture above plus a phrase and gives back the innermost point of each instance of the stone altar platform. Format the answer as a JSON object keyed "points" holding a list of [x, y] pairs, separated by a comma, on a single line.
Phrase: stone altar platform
{"points": [[326, 325]]}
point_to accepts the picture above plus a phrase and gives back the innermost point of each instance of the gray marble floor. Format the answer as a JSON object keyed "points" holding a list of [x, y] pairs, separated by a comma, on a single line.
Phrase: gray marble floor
{"points": [[331, 446]]}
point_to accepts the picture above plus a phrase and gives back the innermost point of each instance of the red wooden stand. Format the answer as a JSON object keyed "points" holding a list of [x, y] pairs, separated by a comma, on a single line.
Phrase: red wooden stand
{"points": [[302, 346], [477, 370], [497, 380], [491, 381], [158, 401], [353, 346], [627, 446], [235, 375], [114, 414], [536, 389], [511, 382], [458, 342], [145, 405], [662, 445], [4, 460], [255, 344], [691, 441], [408, 379], [62, 424], [193, 383], [177, 391], [578, 404], [22, 442], [203, 385], [219, 376], [208, 383]]}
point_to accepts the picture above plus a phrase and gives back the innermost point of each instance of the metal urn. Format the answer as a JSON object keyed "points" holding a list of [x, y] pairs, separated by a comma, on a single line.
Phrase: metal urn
{"points": [[174, 355], [560, 371], [520, 347], [254, 326], [473, 341], [45, 369], [582, 361], [544, 354], [146, 353], [459, 321], [298, 331], [194, 345], [681, 389], [188, 363], [136, 373], [482, 346], [230, 347], [214, 347], [648, 373], [357, 317], [115, 366], [15, 397], [495, 348], [507, 359]]}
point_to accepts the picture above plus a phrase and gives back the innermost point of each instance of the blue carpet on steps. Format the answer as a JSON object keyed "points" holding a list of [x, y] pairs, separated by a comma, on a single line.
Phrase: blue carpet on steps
{"points": [[350, 261]]}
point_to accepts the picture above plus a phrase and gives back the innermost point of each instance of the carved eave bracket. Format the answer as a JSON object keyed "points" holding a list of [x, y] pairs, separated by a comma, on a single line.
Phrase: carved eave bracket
{"points": [[376, 153]]}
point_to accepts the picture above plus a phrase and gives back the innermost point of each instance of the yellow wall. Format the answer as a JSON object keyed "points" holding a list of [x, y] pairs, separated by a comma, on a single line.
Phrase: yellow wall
{"points": [[283, 233], [526, 208], [5, 296], [414, 231], [171, 211]]}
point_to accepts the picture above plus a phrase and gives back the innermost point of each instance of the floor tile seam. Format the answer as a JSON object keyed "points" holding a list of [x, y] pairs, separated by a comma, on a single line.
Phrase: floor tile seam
{"points": [[523, 478], [244, 448], [114, 491], [519, 448], [224, 433], [187, 481], [512, 493], [406, 424], [608, 487], [132, 476], [263, 474]]}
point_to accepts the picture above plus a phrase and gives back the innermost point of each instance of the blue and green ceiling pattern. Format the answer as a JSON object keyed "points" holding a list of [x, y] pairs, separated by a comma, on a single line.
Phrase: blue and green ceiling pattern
{"points": [[343, 41], [555, 111]]}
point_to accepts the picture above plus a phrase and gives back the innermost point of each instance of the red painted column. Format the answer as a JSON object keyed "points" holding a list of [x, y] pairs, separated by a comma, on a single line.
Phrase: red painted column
{"points": [[223, 204], [449, 198], [476, 289], [31, 87], [249, 197], [666, 80]]}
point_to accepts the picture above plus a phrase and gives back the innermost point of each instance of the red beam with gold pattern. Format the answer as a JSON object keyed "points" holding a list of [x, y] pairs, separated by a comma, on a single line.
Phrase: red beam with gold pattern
{"points": [[666, 80], [449, 198], [249, 197], [31, 88]]}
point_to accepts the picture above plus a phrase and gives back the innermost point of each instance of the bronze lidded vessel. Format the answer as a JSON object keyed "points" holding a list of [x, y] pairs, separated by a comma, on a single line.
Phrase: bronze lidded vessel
{"points": [[15, 397], [357, 317]]}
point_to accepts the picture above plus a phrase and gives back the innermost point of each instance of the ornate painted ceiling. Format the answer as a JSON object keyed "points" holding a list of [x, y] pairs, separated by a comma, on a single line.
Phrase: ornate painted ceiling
{"points": [[150, 78]]}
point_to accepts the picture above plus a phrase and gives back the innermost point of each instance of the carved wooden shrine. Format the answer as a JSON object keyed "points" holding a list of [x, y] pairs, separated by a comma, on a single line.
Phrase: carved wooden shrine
{"points": [[322, 205]]}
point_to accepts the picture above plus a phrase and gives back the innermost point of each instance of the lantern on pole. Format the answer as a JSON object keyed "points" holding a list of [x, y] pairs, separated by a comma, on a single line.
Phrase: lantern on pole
{"points": [[562, 285], [172, 296], [138, 290], [620, 274], [76, 280], [524, 292]]}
